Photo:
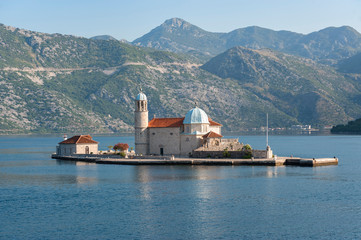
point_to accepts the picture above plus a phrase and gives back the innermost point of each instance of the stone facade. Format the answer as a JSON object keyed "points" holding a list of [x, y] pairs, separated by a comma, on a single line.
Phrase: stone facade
{"points": [[141, 125], [80, 144], [170, 136]]}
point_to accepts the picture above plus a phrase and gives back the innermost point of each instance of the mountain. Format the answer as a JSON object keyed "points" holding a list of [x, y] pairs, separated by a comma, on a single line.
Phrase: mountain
{"points": [[302, 89], [61, 83], [351, 64], [66, 84], [103, 37], [326, 46]]}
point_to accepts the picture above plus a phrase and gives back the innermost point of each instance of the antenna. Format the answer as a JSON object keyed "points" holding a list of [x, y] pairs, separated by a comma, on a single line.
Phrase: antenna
{"points": [[267, 130]]}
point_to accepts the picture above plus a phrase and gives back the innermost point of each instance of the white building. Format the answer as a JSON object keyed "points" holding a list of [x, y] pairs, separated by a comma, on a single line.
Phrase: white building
{"points": [[170, 136], [80, 144]]}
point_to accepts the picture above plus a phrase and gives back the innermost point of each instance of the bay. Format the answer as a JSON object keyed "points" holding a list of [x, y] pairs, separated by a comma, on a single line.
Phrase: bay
{"points": [[42, 198]]}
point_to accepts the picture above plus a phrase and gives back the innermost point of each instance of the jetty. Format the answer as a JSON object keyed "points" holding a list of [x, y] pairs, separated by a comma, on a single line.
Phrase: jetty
{"points": [[170, 160]]}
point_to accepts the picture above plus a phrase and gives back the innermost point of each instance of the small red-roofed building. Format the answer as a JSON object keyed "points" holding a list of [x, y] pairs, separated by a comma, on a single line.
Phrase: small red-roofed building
{"points": [[79, 144]]}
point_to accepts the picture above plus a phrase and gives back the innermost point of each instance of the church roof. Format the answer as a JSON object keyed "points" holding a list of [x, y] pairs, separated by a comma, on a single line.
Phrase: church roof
{"points": [[141, 96], [79, 139], [196, 115], [173, 122], [212, 134], [213, 123], [165, 122]]}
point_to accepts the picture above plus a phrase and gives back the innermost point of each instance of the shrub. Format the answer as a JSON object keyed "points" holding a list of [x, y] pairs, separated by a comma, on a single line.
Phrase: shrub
{"points": [[247, 147], [226, 154], [121, 146]]}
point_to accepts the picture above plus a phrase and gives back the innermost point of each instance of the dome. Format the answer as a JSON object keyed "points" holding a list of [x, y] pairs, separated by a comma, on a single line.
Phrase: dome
{"points": [[141, 96], [195, 115]]}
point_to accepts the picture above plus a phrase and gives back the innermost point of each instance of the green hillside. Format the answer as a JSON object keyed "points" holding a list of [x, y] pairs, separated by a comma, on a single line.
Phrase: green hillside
{"points": [[61, 83]]}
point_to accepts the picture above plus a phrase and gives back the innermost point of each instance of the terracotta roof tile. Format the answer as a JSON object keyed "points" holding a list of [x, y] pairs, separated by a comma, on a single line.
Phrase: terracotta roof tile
{"points": [[212, 134], [213, 123], [173, 122], [79, 139], [165, 122]]}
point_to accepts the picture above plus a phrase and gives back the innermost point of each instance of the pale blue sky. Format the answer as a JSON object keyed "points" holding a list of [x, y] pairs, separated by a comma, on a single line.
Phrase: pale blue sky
{"points": [[130, 19]]}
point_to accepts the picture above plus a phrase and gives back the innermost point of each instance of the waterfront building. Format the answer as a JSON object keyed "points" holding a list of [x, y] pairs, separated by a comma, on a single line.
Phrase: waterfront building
{"points": [[79, 144], [172, 136]]}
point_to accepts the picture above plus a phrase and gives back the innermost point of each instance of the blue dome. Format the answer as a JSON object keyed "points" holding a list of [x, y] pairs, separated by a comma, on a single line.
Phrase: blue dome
{"points": [[141, 96], [195, 115]]}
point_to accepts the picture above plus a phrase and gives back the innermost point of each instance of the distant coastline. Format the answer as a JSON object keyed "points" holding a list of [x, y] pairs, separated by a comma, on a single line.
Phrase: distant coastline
{"points": [[352, 127]]}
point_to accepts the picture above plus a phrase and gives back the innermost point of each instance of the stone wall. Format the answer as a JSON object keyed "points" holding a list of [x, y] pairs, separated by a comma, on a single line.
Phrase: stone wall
{"points": [[166, 138], [232, 154]]}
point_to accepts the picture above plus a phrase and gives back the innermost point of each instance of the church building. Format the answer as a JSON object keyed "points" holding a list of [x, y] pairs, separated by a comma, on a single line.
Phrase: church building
{"points": [[172, 136]]}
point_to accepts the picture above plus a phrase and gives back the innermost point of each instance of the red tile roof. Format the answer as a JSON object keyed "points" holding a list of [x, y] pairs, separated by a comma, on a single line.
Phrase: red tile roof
{"points": [[173, 122], [79, 139], [213, 123], [165, 122], [212, 134]]}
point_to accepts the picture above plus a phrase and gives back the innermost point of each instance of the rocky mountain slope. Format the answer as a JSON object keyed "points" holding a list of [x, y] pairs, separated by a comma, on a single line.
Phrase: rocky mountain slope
{"points": [[351, 64], [61, 83], [299, 87], [326, 46]]}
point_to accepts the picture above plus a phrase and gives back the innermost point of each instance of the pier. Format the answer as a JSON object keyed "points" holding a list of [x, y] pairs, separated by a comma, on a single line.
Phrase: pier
{"points": [[166, 160]]}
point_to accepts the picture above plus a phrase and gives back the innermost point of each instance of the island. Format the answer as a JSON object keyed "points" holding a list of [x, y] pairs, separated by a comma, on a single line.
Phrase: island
{"points": [[194, 139]]}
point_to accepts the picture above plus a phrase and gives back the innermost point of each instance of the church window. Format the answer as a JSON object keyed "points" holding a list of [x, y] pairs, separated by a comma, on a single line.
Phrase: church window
{"points": [[171, 133], [187, 139], [153, 133]]}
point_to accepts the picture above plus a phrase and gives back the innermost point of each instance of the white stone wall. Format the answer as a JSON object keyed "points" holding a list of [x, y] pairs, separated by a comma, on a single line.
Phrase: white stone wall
{"points": [[216, 129], [66, 149], [141, 119], [166, 138], [189, 143], [141, 141], [69, 149], [81, 148], [141, 124], [190, 128]]}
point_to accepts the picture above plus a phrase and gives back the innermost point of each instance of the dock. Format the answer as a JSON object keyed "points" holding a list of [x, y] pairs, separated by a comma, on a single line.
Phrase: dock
{"points": [[151, 160]]}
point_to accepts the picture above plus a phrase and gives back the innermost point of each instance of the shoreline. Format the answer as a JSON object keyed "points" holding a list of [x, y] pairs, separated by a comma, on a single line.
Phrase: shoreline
{"points": [[166, 160]]}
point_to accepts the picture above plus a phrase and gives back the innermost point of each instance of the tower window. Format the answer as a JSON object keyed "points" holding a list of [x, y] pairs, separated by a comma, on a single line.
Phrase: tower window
{"points": [[171, 133], [153, 133]]}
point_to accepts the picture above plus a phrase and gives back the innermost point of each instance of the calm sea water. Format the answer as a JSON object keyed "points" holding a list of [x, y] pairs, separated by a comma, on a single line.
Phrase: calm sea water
{"points": [[41, 198]]}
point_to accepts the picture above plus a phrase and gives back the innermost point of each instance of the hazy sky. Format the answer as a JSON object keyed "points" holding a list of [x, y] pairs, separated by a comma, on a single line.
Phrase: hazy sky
{"points": [[130, 19]]}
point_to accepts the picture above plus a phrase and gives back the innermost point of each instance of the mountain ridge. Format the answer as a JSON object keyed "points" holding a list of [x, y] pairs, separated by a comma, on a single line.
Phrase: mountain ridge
{"points": [[316, 45]]}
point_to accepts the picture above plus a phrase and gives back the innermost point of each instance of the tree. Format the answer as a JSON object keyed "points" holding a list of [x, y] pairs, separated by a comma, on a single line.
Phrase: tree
{"points": [[121, 147], [110, 147]]}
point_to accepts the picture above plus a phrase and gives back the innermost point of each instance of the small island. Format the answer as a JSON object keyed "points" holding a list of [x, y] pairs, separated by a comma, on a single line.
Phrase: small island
{"points": [[194, 139]]}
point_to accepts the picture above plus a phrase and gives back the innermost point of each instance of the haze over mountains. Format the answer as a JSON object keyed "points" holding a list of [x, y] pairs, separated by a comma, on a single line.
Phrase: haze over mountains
{"points": [[63, 83]]}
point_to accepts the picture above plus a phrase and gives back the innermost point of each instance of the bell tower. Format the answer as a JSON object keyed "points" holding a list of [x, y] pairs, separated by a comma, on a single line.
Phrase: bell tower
{"points": [[141, 124]]}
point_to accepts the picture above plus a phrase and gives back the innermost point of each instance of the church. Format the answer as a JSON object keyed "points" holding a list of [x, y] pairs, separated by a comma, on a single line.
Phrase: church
{"points": [[172, 136]]}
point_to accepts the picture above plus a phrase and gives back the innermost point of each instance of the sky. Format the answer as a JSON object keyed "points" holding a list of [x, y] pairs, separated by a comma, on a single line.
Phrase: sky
{"points": [[130, 19]]}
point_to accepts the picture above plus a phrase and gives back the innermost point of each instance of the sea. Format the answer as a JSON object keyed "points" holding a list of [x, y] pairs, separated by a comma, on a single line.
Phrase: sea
{"points": [[43, 198]]}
